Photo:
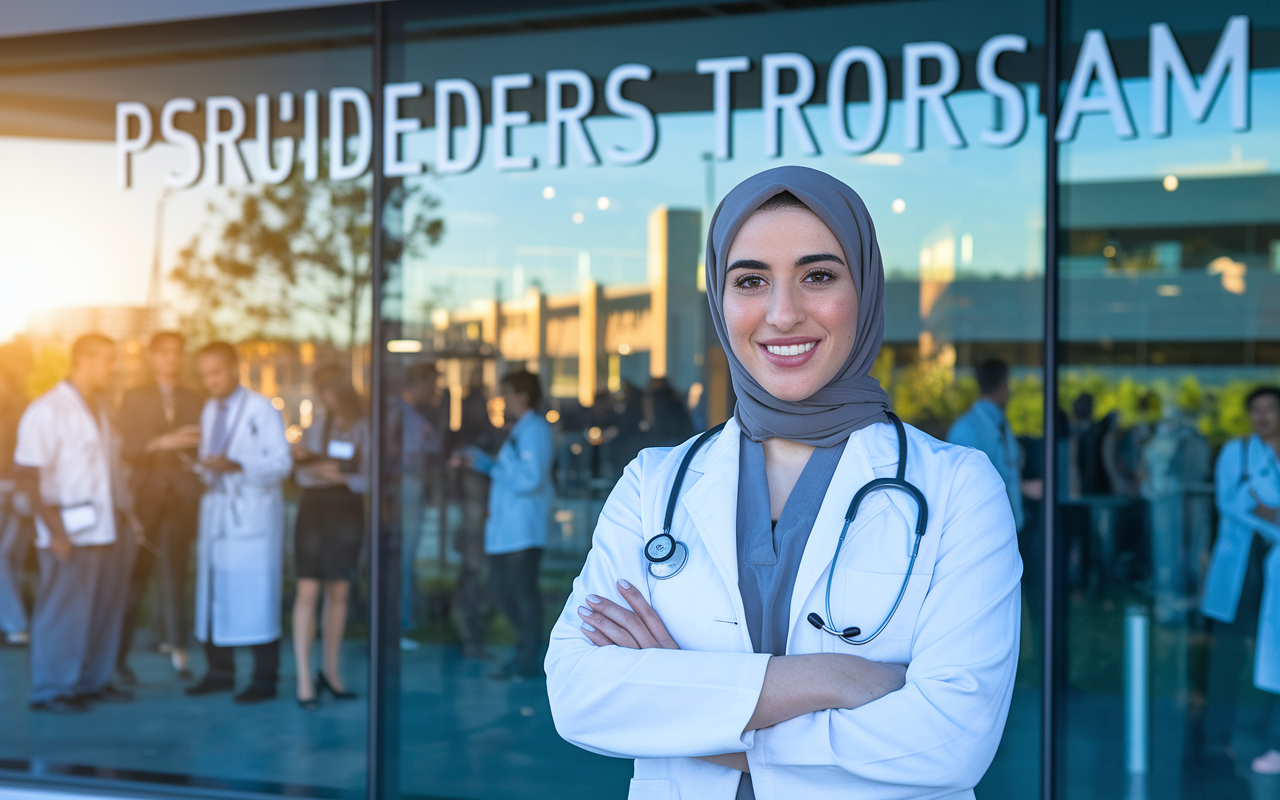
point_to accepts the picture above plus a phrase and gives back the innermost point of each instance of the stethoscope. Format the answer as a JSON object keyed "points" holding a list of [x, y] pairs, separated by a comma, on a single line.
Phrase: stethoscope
{"points": [[667, 557]]}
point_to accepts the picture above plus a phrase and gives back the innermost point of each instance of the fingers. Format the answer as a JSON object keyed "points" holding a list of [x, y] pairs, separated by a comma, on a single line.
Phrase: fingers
{"points": [[652, 622], [605, 628], [624, 618]]}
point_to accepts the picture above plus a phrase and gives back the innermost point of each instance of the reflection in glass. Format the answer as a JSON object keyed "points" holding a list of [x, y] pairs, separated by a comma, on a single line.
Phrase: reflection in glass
{"points": [[1166, 296], [212, 214], [589, 278]]}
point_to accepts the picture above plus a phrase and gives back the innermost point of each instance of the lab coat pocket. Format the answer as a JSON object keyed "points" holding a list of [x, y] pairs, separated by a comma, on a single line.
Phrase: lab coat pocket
{"points": [[249, 515], [650, 790]]}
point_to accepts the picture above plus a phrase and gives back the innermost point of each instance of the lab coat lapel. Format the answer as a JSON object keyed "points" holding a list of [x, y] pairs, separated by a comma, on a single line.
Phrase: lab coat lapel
{"points": [[712, 503], [852, 473]]}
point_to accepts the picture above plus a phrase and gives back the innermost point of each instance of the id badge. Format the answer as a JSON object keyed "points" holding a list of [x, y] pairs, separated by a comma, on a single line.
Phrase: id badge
{"points": [[79, 518], [341, 451]]}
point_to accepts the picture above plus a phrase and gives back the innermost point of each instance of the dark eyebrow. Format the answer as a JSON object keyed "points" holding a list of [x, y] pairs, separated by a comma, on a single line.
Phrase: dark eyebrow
{"points": [[748, 263], [817, 257]]}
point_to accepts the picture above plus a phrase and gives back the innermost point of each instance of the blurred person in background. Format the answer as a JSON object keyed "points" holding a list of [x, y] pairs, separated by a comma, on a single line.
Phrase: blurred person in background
{"points": [[985, 427], [15, 509], [520, 500], [475, 431], [160, 432], [666, 421], [244, 458], [67, 463], [1176, 464], [1242, 594], [422, 418], [332, 465]]}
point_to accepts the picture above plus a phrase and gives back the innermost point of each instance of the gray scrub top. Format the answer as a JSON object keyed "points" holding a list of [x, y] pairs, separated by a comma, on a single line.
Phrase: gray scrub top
{"points": [[769, 554]]}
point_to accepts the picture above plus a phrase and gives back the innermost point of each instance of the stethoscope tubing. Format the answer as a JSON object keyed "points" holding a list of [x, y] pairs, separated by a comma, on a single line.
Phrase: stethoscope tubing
{"points": [[663, 546]]}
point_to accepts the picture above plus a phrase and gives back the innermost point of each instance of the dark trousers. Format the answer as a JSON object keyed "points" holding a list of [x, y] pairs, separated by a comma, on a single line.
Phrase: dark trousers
{"points": [[169, 522], [514, 583], [1238, 713], [266, 663], [75, 629], [468, 599]]}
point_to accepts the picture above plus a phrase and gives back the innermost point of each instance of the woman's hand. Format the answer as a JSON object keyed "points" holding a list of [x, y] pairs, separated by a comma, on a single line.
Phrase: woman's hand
{"points": [[639, 627]]}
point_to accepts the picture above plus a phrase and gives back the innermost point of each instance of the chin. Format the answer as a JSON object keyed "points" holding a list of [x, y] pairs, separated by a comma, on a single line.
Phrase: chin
{"points": [[791, 391]]}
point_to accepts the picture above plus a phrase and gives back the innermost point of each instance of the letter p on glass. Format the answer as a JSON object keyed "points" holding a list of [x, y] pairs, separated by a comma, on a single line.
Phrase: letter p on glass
{"points": [[127, 145]]}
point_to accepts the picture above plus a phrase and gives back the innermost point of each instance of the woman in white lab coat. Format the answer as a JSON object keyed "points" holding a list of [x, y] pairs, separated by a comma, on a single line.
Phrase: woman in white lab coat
{"points": [[716, 679]]}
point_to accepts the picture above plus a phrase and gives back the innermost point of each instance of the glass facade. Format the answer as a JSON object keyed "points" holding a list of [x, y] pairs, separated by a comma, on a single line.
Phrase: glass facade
{"points": [[421, 200]]}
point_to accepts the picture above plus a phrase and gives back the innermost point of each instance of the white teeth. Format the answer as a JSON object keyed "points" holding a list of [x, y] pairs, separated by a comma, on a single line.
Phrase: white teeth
{"points": [[790, 350]]}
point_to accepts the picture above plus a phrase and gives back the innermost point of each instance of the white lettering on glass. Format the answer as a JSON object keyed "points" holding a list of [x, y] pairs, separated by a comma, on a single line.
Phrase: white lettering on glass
{"points": [[311, 135], [394, 126], [267, 173], [447, 162], [788, 105], [565, 125], [720, 69], [226, 166], [184, 140], [1231, 55], [877, 99], [1094, 60], [505, 121], [623, 107], [933, 95], [1012, 103], [126, 146], [339, 99]]}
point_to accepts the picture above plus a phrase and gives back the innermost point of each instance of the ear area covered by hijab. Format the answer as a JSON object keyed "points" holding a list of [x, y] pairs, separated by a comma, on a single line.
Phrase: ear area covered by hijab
{"points": [[852, 399]]}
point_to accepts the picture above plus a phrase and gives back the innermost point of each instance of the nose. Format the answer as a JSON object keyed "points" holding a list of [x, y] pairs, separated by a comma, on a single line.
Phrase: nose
{"points": [[786, 308]]}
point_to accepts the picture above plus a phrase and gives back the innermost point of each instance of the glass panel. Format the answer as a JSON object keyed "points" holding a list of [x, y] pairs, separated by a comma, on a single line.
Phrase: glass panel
{"points": [[127, 211], [1168, 263], [589, 278]]}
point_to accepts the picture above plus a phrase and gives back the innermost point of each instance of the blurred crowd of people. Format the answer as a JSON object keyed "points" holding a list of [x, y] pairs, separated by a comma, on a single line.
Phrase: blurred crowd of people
{"points": [[1137, 507], [123, 495], [165, 507]]}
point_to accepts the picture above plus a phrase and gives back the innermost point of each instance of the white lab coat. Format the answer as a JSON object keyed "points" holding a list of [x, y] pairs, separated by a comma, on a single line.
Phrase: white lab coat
{"points": [[1236, 526], [240, 551], [957, 630]]}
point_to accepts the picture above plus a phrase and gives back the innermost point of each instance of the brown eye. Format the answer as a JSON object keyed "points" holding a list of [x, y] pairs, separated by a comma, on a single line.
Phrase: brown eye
{"points": [[749, 282], [820, 276]]}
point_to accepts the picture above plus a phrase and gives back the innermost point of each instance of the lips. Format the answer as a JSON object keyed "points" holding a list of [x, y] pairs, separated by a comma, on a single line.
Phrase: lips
{"points": [[791, 351]]}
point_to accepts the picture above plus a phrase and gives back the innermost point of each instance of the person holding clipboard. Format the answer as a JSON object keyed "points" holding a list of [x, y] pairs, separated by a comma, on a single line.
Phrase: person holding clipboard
{"points": [[67, 464], [244, 458], [332, 465]]}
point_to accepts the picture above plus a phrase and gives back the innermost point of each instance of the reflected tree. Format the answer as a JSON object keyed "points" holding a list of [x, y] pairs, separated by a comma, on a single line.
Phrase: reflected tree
{"points": [[295, 260]]}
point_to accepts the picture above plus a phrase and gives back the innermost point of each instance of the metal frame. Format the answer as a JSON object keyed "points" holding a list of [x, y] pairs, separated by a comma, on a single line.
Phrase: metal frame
{"points": [[1052, 640]]}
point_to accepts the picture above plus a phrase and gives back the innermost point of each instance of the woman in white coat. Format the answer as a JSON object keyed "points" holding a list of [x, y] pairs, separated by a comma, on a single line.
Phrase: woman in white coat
{"points": [[717, 680], [244, 458], [1242, 588]]}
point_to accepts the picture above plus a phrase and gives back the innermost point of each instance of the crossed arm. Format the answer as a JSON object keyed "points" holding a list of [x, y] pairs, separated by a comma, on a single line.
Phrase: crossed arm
{"points": [[793, 685]]}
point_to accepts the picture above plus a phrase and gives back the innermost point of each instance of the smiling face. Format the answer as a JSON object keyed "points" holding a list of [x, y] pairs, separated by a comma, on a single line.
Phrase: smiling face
{"points": [[790, 305]]}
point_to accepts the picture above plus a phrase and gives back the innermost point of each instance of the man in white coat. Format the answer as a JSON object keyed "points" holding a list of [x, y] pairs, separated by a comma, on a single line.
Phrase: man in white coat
{"points": [[67, 464], [244, 457]]}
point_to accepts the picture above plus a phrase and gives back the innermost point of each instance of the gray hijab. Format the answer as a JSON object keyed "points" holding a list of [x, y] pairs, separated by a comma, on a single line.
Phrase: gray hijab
{"points": [[853, 399]]}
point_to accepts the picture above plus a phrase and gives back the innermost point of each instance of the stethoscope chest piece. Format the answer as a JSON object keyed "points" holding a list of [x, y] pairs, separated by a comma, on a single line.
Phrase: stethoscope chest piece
{"points": [[666, 556]]}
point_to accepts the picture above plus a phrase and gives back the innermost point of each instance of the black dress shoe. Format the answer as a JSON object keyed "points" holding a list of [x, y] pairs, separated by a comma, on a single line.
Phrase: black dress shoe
{"points": [[209, 686], [126, 676], [256, 694], [68, 704], [323, 685], [107, 694]]}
